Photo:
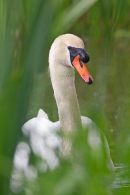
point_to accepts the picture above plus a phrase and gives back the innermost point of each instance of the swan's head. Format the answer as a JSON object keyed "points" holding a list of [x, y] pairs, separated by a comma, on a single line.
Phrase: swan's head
{"points": [[68, 50]]}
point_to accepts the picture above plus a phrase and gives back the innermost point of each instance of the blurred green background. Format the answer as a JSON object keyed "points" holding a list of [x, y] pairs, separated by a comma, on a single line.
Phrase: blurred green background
{"points": [[27, 30]]}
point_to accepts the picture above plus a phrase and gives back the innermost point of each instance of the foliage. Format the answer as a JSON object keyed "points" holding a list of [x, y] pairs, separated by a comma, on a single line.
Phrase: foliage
{"points": [[27, 29]]}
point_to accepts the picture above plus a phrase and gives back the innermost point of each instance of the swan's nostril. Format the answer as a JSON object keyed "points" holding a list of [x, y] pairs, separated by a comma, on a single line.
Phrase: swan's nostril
{"points": [[90, 81]]}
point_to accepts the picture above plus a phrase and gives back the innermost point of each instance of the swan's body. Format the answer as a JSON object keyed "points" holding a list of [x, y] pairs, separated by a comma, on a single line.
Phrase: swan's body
{"points": [[66, 51], [46, 142]]}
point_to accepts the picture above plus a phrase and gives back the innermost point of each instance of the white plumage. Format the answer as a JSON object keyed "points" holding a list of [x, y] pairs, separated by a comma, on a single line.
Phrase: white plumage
{"points": [[46, 141]]}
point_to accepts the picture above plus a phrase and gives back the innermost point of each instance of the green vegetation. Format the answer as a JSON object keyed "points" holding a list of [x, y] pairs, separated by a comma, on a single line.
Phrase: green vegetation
{"points": [[27, 29]]}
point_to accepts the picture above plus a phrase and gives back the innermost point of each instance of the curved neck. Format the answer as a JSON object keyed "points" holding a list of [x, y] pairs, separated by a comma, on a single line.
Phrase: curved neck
{"points": [[63, 82]]}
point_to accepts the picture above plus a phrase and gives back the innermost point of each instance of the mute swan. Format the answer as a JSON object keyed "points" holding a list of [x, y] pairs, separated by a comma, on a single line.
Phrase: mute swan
{"points": [[66, 54]]}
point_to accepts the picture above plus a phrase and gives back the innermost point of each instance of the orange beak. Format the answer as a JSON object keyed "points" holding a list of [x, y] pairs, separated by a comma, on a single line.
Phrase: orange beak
{"points": [[82, 69]]}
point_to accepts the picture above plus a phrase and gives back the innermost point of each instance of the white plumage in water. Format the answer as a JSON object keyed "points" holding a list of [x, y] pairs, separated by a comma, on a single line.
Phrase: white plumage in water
{"points": [[66, 54]]}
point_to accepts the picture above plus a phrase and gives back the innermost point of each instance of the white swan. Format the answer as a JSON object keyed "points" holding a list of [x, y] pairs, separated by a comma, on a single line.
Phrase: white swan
{"points": [[67, 53]]}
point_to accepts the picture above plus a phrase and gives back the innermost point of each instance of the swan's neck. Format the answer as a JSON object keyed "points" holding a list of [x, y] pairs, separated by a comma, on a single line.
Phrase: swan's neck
{"points": [[63, 82]]}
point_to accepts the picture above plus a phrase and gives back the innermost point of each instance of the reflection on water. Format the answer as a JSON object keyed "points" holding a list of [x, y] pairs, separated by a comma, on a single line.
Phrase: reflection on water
{"points": [[23, 171], [122, 176]]}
